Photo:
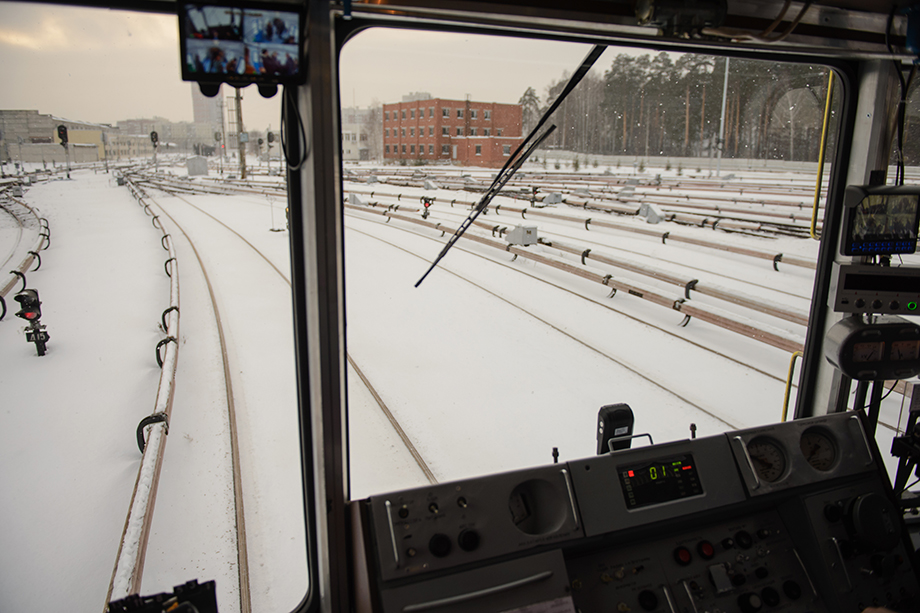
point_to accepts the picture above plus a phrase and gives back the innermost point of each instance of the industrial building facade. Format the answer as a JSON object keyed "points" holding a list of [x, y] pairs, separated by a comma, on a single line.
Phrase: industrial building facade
{"points": [[456, 131]]}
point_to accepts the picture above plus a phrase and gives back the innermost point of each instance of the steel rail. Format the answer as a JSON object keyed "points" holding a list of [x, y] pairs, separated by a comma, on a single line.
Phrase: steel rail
{"points": [[132, 547], [410, 446], [239, 510], [563, 332]]}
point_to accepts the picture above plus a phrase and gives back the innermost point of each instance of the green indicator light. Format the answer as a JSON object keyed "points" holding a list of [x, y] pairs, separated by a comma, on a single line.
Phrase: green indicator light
{"points": [[911, 306]]}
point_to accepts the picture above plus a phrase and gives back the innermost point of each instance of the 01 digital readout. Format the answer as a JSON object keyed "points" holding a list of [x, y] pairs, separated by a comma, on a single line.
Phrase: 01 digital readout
{"points": [[659, 481]]}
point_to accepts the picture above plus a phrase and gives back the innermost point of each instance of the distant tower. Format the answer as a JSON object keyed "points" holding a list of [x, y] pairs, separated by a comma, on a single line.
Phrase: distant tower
{"points": [[205, 110]]}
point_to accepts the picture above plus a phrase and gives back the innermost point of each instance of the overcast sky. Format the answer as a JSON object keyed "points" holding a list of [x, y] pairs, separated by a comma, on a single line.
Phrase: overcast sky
{"points": [[104, 66]]}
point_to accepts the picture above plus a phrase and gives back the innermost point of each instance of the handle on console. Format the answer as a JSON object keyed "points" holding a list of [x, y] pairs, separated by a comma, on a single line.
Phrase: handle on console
{"points": [[690, 595], [747, 456], [489, 591], [667, 596], [392, 533], [846, 574], [568, 487]]}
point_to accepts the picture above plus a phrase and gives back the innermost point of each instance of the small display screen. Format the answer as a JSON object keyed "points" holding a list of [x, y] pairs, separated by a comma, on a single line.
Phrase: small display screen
{"points": [[883, 223], [659, 481], [239, 44]]}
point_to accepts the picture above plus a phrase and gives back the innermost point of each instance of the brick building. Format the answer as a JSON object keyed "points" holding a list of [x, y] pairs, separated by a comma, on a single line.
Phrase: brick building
{"points": [[459, 131]]}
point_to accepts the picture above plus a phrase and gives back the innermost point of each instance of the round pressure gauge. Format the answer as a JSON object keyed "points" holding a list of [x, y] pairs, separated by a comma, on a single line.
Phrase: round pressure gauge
{"points": [[819, 449], [768, 458]]}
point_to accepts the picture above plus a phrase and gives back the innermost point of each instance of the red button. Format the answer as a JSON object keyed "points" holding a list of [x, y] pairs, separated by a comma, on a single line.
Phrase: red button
{"points": [[682, 556], [706, 550]]}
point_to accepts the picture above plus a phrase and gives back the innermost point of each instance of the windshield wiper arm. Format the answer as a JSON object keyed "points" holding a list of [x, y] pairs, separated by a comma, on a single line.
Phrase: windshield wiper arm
{"points": [[517, 158]]}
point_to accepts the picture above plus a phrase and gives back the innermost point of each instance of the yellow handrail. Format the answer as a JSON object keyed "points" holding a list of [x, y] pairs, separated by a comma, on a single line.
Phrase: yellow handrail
{"points": [[827, 117]]}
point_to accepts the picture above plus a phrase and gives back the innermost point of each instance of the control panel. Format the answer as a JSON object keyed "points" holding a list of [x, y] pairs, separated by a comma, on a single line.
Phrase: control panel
{"points": [[862, 288], [793, 517]]}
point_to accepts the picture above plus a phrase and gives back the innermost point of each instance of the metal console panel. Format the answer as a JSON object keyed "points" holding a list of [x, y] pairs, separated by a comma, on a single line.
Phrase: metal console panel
{"points": [[801, 452], [685, 527], [451, 524], [601, 496]]}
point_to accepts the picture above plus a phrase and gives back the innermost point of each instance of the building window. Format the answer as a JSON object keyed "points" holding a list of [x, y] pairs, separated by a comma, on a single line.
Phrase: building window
{"points": [[404, 149], [459, 131], [506, 149], [486, 131], [459, 113], [386, 116], [421, 113], [478, 149], [445, 112], [412, 114], [430, 130], [445, 149], [403, 131], [498, 131], [431, 111], [472, 131], [412, 149], [445, 131], [430, 149], [411, 131], [487, 114], [404, 114], [387, 133], [387, 148], [473, 113]]}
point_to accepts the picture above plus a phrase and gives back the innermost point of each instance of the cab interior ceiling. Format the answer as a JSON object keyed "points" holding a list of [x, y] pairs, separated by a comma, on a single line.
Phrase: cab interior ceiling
{"points": [[850, 28]]}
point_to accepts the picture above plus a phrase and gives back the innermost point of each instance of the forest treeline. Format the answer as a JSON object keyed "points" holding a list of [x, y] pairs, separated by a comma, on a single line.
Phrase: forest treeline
{"points": [[656, 105]]}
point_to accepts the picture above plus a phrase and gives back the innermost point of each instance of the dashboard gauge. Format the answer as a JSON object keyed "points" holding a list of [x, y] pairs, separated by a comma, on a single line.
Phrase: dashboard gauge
{"points": [[819, 449], [868, 352], [905, 350], [768, 458]]}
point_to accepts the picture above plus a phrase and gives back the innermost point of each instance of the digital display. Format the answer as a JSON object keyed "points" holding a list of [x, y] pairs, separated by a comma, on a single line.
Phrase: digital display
{"points": [[881, 220], [239, 45], [659, 481]]}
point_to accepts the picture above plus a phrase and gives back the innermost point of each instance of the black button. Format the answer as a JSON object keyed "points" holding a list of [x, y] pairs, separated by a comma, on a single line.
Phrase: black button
{"points": [[738, 579], [763, 533], [895, 305], [876, 304], [468, 540], [744, 539], [833, 513], [648, 600], [793, 590], [403, 512], [761, 573], [770, 596], [439, 545], [860, 303]]}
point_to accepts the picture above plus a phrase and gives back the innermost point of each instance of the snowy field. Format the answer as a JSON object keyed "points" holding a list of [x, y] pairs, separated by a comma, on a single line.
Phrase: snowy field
{"points": [[490, 364]]}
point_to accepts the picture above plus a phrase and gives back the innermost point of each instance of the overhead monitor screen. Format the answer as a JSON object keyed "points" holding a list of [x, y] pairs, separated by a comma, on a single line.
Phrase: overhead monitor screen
{"points": [[240, 45], [883, 223]]}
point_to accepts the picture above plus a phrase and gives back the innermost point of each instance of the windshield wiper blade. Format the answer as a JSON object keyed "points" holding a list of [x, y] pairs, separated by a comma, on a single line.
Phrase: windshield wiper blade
{"points": [[517, 158], [484, 202]]}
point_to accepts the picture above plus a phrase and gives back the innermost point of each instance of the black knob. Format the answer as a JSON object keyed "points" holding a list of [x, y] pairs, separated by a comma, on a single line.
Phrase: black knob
{"points": [[833, 513], [738, 579], [468, 540], [770, 596], [750, 603], [874, 522], [761, 572], [876, 304], [763, 533], [439, 545], [860, 303], [744, 539], [403, 512], [895, 305], [792, 590], [648, 600]]}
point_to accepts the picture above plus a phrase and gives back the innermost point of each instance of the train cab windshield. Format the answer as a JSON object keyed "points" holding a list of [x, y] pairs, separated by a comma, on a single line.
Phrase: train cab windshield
{"points": [[319, 340]]}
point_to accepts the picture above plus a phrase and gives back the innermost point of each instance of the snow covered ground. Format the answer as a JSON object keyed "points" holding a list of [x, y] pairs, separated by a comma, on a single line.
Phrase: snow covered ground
{"points": [[488, 366]]}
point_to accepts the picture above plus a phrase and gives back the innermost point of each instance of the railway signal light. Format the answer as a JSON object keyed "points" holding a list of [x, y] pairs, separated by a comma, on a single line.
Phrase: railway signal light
{"points": [[154, 138], [62, 134], [271, 137], [31, 305]]}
